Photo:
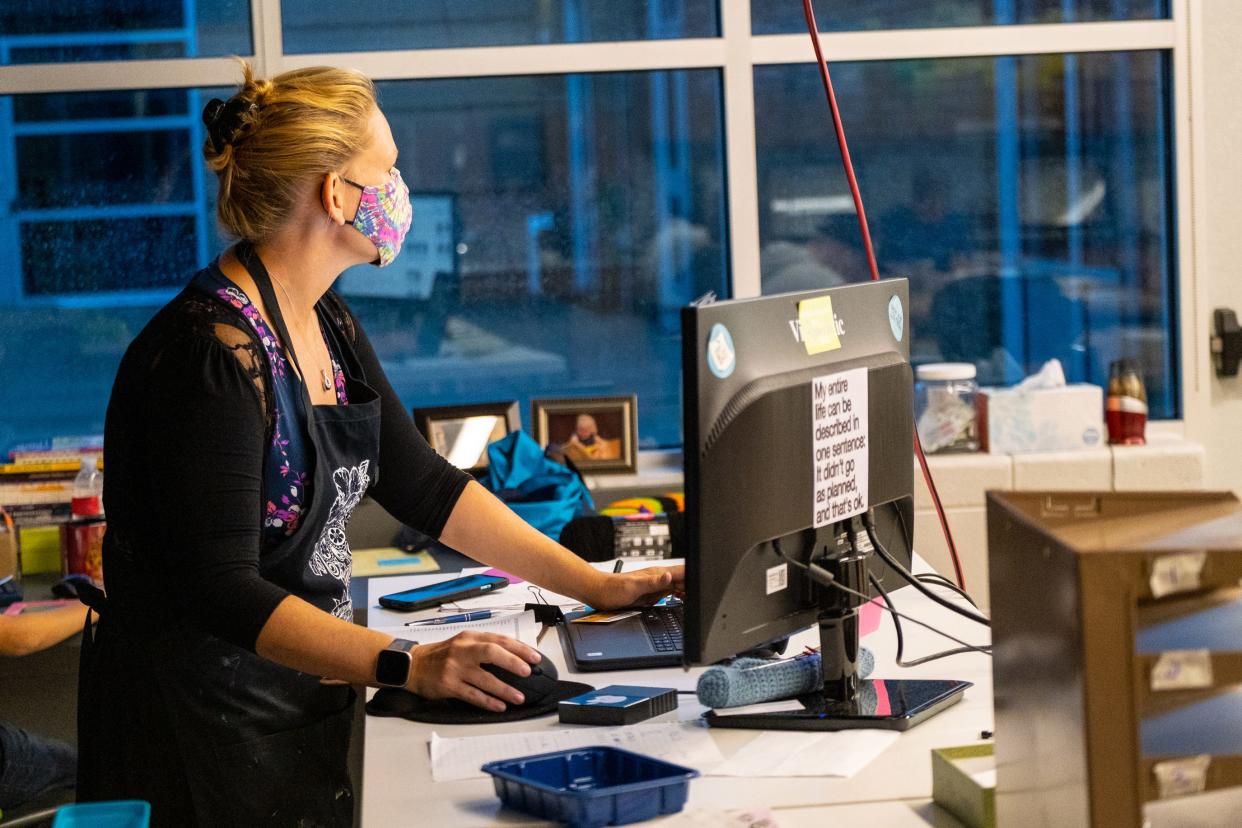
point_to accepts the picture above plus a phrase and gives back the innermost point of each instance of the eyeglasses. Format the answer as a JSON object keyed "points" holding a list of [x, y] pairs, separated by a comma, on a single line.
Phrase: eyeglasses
{"points": [[393, 172]]}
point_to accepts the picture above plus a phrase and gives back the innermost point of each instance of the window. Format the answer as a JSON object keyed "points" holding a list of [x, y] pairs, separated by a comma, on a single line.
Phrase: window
{"points": [[578, 214], [107, 210], [873, 15], [64, 31], [569, 199], [336, 25], [1027, 199]]}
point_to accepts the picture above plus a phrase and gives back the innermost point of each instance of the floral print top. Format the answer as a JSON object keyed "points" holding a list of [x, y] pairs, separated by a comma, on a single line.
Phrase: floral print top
{"points": [[288, 475]]}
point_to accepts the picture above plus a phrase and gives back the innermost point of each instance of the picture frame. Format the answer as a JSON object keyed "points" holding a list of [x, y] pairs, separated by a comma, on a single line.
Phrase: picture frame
{"points": [[462, 433], [599, 434]]}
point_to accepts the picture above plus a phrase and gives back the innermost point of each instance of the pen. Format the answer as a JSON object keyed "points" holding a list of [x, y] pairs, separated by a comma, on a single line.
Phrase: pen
{"points": [[478, 615], [620, 563]]}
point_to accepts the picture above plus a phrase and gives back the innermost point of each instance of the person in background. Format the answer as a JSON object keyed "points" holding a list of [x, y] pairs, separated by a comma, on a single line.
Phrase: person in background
{"points": [[246, 422], [586, 443], [833, 256], [30, 765]]}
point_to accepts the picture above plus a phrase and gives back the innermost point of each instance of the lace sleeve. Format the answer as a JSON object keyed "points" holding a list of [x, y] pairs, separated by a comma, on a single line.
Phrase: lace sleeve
{"points": [[203, 316]]}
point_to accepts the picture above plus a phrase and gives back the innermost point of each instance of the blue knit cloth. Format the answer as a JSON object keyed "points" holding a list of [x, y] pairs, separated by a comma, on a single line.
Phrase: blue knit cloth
{"points": [[756, 680]]}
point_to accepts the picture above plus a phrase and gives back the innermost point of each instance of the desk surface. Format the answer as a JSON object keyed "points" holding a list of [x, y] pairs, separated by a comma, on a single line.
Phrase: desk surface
{"points": [[894, 790]]}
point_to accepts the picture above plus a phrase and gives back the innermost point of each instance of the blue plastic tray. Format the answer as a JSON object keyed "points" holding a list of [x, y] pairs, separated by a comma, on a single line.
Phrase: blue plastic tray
{"points": [[133, 813], [589, 787]]}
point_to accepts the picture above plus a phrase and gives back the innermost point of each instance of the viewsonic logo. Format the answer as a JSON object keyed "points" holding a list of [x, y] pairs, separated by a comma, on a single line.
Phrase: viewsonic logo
{"points": [[796, 327]]}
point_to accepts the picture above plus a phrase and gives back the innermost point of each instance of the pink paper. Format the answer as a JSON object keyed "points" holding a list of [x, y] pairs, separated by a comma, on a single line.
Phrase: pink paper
{"points": [[513, 579], [869, 617]]}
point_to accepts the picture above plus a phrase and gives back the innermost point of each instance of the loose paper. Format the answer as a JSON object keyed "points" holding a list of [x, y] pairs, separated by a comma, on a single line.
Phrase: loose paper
{"points": [[712, 818], [461, 758], [1171, 574], [1181, 777], [389, 560], [515, 596], [608, 617], [840, 438], [1182, 670], [521, 626], [785, 706], [785, 753]]}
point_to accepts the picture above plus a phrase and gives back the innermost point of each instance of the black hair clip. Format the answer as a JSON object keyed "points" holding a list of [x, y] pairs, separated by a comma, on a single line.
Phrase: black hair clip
{"points": [[224, 121]]}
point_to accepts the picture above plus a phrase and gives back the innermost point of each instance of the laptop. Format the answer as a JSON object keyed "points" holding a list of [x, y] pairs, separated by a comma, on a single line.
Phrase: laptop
{"points": [[652, 638]]}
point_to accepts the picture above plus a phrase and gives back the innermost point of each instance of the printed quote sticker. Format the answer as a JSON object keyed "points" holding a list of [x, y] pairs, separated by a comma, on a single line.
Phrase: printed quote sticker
{"points": [[841, 445]]}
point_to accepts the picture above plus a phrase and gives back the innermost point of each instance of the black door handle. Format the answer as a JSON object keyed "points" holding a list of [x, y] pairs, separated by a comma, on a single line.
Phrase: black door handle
{"points": [[1226, 342]]}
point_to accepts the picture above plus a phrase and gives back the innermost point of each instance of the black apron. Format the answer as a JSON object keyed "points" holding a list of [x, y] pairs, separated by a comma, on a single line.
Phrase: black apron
{"points": [[208, 732]]}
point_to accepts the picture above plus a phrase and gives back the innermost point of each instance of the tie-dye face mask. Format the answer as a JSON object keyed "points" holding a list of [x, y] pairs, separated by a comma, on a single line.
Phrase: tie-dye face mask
{"points": [[384, 216]]}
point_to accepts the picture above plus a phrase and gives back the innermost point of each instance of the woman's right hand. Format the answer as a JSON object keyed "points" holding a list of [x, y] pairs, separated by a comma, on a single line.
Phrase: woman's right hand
{"points": [[452, 669]]}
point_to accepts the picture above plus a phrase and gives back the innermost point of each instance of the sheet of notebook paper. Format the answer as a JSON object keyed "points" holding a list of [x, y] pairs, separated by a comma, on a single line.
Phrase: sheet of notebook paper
{"points": [[519, 625]]}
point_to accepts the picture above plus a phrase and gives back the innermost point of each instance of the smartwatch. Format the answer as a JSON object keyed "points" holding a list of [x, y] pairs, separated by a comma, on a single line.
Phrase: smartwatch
{"points": [[392, 668]]}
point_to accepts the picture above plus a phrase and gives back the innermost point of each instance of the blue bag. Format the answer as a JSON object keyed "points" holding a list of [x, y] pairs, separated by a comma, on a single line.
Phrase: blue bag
{"points": [[542, 492]]}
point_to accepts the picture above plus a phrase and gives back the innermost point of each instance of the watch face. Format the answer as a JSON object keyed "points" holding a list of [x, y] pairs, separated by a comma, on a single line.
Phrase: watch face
{"points": [[393, 668]]}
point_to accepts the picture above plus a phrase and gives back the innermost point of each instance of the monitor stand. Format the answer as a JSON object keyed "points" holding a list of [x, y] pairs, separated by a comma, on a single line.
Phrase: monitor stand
{"points": [[847, 702]]}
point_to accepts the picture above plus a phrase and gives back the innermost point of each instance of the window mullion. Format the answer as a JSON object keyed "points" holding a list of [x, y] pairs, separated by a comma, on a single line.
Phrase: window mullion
{"points": [[741, 169]]}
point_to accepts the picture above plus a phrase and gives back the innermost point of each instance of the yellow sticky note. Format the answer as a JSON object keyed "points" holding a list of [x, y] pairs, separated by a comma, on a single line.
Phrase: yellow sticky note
{"points": [[818, 325]]}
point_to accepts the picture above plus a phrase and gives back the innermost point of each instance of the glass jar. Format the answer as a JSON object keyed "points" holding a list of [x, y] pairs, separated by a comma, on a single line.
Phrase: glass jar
{"points": [[944, 407]]}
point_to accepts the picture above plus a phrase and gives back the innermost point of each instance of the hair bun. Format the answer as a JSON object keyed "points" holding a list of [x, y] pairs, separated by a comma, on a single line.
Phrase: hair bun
{"points": [[226, 122]]}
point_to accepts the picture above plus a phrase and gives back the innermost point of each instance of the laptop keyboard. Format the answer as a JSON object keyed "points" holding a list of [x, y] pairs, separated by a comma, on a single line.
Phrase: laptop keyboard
{"points": [[663, 625]]}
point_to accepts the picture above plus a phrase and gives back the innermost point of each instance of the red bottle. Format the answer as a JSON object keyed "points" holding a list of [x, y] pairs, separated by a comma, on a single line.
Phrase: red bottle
{"points": [[1126, 405], [81, 539]]}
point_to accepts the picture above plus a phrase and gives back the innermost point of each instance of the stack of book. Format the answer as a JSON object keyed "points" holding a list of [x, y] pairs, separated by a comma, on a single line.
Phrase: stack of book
{"points": [[36, 485]]}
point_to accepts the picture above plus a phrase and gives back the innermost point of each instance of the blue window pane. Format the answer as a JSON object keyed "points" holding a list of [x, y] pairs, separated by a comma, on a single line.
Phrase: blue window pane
{"points": [[1029, 200], [337, 26], [560, 223], [105, 212], [850, 15], [56, 31]]}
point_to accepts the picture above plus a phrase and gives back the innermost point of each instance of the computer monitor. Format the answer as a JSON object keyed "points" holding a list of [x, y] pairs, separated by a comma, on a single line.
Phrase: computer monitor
{"points": [[798, 425]]}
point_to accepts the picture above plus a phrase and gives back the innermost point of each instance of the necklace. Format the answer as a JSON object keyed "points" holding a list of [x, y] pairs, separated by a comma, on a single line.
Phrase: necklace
{"points": [[325, 376]]}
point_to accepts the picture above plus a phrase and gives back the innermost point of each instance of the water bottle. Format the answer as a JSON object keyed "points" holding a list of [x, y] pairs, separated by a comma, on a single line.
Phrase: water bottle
{"points": [[81, 539], [87, 490]]}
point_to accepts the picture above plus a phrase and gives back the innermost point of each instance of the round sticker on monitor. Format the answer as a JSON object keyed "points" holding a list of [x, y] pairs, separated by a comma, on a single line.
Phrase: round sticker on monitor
{"points": [[897, 318], [721, 357]]}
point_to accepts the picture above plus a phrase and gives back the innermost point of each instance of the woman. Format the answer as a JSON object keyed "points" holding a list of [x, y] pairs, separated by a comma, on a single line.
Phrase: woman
{"points": [[246, 422]]}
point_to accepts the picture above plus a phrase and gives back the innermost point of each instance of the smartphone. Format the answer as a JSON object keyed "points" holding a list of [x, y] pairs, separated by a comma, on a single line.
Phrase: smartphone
{"points": [[443, 592]]}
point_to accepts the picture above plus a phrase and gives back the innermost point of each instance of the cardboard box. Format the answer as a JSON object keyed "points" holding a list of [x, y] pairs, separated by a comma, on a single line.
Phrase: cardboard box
{"points": [[1117, 661], [1068, 418], [10, 562], [964, 783]]}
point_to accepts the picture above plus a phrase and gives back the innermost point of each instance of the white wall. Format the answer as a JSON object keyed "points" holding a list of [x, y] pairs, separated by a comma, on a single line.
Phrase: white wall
{"points": [[1218, 218]]}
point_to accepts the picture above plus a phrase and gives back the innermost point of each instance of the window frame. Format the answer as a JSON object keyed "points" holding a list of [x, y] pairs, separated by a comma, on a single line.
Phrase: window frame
{"points": [[736, 53]]}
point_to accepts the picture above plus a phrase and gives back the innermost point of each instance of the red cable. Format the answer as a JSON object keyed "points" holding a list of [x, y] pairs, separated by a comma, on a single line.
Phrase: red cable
{"points": [[813, 29]]}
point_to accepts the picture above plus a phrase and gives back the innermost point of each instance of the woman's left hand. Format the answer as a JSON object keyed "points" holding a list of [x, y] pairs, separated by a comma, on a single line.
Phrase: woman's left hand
{"points": [[642, 586]]}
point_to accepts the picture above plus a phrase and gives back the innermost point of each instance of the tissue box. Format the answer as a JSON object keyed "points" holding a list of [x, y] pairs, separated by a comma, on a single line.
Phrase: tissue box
{"points": [[964, 783], [1045, 419]]}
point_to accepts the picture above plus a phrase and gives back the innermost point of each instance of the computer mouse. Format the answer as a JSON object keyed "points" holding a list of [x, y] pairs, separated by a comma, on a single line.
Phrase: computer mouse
{"points": [[536, 687]]}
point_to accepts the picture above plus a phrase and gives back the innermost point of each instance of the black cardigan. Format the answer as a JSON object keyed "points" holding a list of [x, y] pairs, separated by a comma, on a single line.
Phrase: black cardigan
{"points": [[188, 424]]}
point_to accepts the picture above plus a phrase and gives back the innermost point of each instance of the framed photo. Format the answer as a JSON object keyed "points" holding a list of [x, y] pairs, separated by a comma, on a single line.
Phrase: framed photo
{"points": [[600, 434], [462, 433]]}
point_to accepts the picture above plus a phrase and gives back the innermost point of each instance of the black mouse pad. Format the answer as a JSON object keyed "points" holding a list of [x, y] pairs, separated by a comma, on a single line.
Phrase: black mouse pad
{"points": [[392, 701]]}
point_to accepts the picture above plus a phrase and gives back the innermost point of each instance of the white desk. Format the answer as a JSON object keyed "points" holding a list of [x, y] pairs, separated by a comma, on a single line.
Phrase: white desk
{"points": [[894, 790]]}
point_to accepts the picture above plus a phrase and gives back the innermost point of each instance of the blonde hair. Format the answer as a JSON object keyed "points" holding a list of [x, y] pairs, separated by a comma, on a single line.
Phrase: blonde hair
{"points": [[275, 137]]}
